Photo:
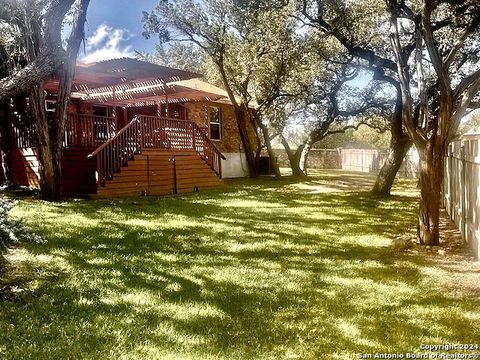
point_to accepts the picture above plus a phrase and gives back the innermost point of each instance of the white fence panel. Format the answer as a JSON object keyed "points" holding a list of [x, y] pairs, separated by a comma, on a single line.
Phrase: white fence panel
{"points": [[462, 188], [371, 161]]}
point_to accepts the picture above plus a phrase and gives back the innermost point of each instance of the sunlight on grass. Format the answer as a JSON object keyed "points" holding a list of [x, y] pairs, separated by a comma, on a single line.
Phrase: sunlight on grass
{"points": [[262, 269]]}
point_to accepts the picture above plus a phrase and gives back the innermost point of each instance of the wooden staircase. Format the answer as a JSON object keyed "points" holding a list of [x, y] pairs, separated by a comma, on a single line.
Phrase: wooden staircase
{"points": [[156, 156]]}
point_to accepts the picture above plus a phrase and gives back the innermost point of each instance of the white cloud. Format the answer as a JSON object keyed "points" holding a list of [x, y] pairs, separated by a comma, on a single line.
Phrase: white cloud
{"points": [[100, 34], [107, 43]]}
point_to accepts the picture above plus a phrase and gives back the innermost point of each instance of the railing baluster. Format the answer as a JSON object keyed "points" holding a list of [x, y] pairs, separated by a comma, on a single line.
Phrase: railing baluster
{"points": [[83, 130]]}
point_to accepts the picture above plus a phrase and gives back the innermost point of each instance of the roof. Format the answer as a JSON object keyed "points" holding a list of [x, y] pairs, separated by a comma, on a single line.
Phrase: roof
{"points": [[115, 71], [132, 82], [120, 71], [200, 85], [144, 93], [197, 84]]}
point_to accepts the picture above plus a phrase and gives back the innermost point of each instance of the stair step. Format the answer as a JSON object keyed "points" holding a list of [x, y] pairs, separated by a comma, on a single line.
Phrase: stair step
{"points": [[153, 173]]}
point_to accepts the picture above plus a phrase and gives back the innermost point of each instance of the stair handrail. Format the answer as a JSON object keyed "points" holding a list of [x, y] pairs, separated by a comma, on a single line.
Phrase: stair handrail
{"points": [[216, 162], [115, 153], [109, 141], [208, 140]]}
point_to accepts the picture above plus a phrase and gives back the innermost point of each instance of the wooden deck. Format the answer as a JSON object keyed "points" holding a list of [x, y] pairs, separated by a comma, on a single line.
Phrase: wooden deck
{"points": [[78, 170], [149, 156]]}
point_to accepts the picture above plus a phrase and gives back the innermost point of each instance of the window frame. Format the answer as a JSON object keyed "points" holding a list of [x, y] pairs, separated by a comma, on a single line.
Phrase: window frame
{"points": [[216, 123], [107, 110], [50, 102]]}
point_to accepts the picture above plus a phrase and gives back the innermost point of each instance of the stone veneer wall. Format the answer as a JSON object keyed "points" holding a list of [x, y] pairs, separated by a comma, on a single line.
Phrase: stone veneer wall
{"points": [[230, 142], [317, 159]]}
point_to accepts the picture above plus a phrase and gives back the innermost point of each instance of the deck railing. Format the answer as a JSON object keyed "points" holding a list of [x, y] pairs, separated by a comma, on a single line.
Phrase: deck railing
{"points": [[23, 131], [88, 131], [150, 132], [81, 130], [168, 133]]}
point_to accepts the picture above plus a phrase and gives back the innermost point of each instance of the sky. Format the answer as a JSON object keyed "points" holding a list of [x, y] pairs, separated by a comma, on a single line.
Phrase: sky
{"points": [[114, 29]]}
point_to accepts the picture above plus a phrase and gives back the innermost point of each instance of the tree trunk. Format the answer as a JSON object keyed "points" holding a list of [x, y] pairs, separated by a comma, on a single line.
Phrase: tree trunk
{"points": [[6, 143], [303, 156], [243, 121], [297, 171], [268, 144], [400, 143], [50, 130], [51, 174], [386, 177], [49, 155], [243, 117], [258, 150], [293, 158], [430, 183]]}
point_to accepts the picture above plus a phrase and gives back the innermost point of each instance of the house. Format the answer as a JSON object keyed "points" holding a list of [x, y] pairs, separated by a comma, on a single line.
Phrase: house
{"points": [[137, 128]]}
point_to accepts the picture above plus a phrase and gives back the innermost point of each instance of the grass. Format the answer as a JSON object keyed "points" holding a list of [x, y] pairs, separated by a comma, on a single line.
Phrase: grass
{"points": [[259, 270]]}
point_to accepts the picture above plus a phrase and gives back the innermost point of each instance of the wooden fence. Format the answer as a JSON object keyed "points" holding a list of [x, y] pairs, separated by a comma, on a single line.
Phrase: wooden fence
{"points": [[462, 188], [371, 161], [364, 160], [317, 158]]}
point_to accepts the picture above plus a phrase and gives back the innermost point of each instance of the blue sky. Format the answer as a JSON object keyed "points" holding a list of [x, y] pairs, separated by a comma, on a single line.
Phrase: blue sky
{"points": [[114, 29]]}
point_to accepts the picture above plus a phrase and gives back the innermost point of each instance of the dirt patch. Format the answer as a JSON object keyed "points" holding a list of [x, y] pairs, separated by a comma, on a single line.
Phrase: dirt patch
{"points": [[452, 263]]}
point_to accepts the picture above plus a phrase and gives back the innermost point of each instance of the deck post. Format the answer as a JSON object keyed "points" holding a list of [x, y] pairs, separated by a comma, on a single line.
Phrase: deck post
{"points": [[142, 131], [193, 138], [220, 167], [174, 175], [148, 175], [166, 104]]}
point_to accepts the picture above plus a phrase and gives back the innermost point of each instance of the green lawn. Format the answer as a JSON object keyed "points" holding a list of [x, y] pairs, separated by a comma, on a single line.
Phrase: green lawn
{"points": [[259, 270]]}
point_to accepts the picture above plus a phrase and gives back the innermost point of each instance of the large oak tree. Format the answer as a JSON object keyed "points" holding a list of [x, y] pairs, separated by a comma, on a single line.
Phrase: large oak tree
{"points": [[40, 26], [428, 51], [253, 50], [445, 92]]}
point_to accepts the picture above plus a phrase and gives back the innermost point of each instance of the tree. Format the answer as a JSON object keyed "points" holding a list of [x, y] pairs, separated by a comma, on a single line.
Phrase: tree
{"points": [[46, 19], [184, 56], [44, 55], [432, 121], [326, 115], [470, 124], [358, 27], [365, 137], [250, 46], [11, 49], [434, 70]]}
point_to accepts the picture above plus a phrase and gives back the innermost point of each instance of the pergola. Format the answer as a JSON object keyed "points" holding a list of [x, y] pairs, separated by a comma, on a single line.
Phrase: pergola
{"points": [[129, 82]]}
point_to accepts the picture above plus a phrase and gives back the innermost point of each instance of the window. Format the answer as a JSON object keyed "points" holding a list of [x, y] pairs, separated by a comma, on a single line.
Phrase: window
{"points": [[177, 111], [100, 111], [215, 120], [50, 105]]}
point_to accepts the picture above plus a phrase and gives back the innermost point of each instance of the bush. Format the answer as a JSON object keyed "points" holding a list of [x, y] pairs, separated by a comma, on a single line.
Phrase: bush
{"points": [[13, 231]]}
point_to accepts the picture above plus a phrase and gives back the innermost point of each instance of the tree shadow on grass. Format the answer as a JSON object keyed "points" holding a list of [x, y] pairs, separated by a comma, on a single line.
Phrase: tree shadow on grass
{"points": [[249, 273]]}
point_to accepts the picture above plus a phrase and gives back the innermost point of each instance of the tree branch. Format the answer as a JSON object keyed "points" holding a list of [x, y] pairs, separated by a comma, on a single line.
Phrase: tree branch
{"points": [[51, 56]]}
